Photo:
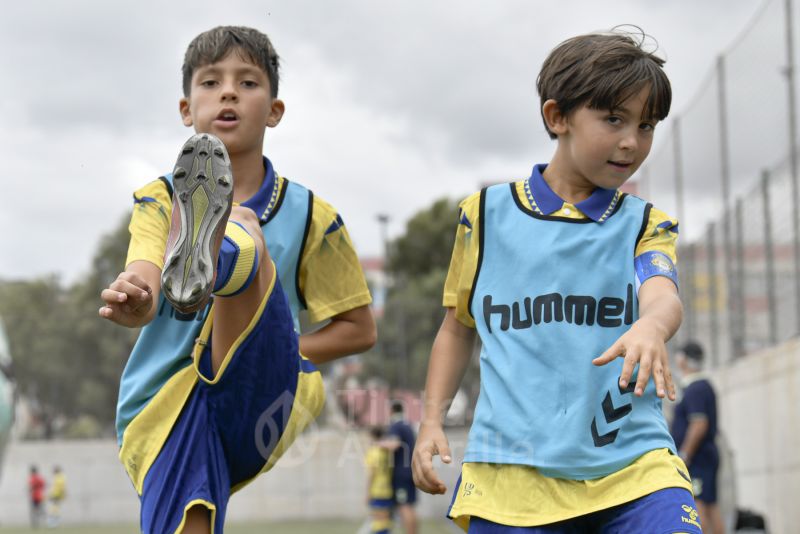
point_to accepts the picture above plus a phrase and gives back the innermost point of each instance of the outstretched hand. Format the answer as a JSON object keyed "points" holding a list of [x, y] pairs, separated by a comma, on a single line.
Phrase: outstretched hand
{"points": [[430, 442], [642, 344], [128, 300]]}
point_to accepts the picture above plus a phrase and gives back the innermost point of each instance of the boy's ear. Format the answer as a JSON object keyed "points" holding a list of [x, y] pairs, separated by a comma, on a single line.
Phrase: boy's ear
{"points": [[186, 112], [555, 120], [276, 113]]}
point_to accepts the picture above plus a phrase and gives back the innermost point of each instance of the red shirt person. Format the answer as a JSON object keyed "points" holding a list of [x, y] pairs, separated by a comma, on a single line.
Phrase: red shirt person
{"points": [[36, 485]]}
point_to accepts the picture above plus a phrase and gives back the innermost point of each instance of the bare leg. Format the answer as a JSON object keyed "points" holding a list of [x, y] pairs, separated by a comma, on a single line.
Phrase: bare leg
{"points": [[233, 314], [710, 517], [198, 521], [408, 516]]}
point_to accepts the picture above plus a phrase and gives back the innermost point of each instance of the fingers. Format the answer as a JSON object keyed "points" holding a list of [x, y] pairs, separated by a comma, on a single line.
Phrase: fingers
{"points": [[612, 353], [425, 476], [670, 384], [127, 294], [645, 367], [122, 290]]}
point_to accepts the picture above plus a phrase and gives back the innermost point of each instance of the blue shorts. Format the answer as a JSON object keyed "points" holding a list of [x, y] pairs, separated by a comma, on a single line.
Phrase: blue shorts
{"points": [[704, 479], [381, 504], [405, 492], [233, 426], [670, 510]]}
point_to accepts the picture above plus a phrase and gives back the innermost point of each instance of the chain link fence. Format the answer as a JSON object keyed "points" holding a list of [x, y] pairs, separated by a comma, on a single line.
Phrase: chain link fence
{"points": [[728, 170]]}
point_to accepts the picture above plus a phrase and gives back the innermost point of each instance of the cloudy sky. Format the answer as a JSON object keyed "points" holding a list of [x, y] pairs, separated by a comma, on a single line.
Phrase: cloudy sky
{"points": [[389, 104]]}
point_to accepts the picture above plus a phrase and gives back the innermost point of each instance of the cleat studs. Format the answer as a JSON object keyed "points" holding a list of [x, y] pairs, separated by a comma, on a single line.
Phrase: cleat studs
{"points": [[224, 180], [180, 172], [188, 149], [196, 290], [219, 153], [184, 196], [201, 176], [217, 207], [203, 153], [205, 137]]}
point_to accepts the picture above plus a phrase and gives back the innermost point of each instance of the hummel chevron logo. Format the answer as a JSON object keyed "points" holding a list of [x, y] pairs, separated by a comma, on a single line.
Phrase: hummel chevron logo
{"points": [[611, 414]]}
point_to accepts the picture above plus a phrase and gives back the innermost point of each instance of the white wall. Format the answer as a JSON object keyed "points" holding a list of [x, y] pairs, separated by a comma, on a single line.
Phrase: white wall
{"points": [[321, 476], [759, 404]]}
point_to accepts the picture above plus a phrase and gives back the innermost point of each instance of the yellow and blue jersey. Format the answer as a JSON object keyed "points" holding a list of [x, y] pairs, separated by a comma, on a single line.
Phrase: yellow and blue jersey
{"points": [[549, 286], [379, 468], [316, 264]]}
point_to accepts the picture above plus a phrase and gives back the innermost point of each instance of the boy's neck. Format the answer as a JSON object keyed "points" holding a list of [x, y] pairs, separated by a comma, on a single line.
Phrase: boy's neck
{"points": [[564, 183], [248, 174]]}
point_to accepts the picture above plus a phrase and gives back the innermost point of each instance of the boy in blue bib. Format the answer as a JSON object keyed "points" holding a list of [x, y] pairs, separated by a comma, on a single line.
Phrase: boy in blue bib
{"points": [[572, 289], [224, 254]]}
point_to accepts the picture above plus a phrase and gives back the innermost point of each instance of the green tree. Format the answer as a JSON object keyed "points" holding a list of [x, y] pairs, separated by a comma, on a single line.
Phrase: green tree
{"points": [[67, 359], [417, 266]]}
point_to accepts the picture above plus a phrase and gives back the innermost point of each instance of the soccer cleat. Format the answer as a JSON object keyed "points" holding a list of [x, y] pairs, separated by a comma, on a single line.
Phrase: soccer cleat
{"points": [[201, 203]]}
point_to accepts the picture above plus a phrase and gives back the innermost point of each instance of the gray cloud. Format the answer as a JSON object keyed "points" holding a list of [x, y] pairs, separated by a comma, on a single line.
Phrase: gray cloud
{"points": [[389, 104]]}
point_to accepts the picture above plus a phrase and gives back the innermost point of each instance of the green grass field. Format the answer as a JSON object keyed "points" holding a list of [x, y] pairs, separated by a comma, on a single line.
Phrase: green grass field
{"points": [[328, 527]]}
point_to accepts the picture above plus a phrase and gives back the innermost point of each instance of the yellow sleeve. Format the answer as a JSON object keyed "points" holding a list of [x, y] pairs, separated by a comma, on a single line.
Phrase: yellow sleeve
{"points": [[149, 224], [656, 252], [330, 278], [464, 260], [661, 235]]}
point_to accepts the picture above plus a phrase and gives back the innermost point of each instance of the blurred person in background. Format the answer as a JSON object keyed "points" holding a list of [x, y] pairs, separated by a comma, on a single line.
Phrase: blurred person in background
{"points": [[36, 485], [58, 491], [405, 492], [379, 483], [694, 429]]}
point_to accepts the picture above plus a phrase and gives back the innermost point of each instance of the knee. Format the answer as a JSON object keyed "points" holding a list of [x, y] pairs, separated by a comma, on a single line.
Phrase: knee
{"points": [[251, 223]]}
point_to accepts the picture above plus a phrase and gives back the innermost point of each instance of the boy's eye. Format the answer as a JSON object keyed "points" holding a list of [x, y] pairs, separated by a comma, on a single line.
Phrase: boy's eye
{"points": [[250, 83], [647, 126], [208, 83], [613, 119]]}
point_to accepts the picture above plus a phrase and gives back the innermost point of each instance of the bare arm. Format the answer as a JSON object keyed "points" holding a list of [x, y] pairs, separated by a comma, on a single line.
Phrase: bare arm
{"points": [[131, 299], [349, 332], [660, 315], [698, 427], [450, 357]]}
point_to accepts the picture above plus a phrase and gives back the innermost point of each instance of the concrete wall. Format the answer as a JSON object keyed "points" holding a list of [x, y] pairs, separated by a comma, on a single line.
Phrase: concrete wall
{"points": [[321, 476], [759, 404]]}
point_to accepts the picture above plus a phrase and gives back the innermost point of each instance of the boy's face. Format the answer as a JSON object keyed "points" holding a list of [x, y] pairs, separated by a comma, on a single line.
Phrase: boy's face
{"points": [[232, 100], [604, 148]]}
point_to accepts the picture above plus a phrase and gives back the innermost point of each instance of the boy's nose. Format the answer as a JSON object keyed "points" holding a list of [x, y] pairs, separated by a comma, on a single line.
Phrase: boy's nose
{"points": [[629, 141], [229, 92]]}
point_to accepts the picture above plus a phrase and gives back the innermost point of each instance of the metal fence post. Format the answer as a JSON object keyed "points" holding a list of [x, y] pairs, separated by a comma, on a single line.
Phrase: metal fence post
{"points": [[738, 311], [793, 156], [688, 267], [727, 207], [769, 258], [712, 296], [676, 152]]}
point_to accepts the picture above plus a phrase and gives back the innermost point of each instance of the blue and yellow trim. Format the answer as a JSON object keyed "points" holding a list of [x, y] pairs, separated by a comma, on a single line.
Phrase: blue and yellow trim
{"points": [[212, 511], [149, 430]]}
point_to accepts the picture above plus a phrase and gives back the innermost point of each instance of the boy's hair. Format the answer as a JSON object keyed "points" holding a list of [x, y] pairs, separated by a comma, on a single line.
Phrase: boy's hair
{"points": [[601, 71], [397, 407], [213, 45]]}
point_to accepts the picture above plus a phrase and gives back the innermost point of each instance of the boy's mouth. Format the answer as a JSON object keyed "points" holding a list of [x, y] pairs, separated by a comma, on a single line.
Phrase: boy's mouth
{"points": [[227, 116], [622, 165]]}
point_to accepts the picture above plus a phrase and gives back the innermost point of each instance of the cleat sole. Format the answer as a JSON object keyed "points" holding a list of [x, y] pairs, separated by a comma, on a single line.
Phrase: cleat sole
{"points": [[204, 193]]}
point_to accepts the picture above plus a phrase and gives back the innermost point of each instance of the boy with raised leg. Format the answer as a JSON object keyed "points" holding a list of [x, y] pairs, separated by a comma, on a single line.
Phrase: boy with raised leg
{"points": [[224, 254], [571, 287]]}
